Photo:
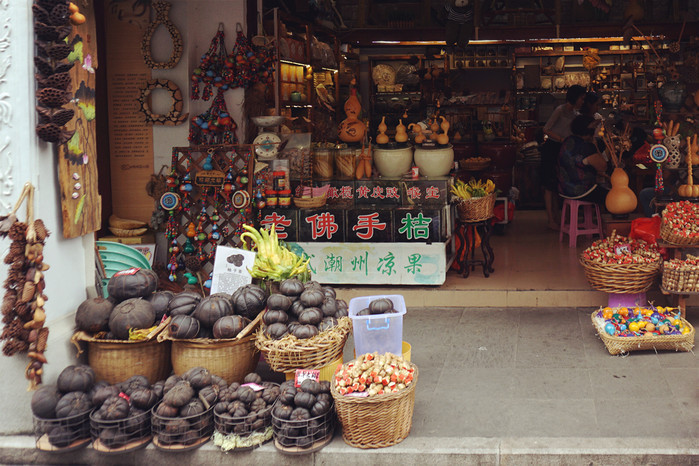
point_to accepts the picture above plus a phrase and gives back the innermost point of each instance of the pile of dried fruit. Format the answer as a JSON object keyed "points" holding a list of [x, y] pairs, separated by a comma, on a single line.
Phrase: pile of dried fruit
{"points": [[618, 249], [682, 218], [374, 374]]}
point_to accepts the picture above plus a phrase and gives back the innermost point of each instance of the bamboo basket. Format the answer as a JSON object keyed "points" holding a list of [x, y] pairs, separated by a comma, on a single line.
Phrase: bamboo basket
{"points": [[476, 209], [684, 280], [377, 421], [620, 278], [310, 202], [668, 235], [619, 345], [116, 360], [290, 353], [473, 164]]}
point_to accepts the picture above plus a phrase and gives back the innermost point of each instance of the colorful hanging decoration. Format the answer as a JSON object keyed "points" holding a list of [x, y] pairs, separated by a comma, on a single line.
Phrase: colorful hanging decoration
{"points": [[250, 64], [215, 126], [162, 10], [23, 313], [658, 152], [213, 70]]}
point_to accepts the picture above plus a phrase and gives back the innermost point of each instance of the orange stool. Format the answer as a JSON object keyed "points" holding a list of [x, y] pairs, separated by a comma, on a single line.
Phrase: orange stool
{"points": [[571, 227]]}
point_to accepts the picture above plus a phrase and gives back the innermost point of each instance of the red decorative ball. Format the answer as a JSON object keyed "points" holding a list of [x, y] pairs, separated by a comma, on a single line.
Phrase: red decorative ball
{"points": [[658, 133]]}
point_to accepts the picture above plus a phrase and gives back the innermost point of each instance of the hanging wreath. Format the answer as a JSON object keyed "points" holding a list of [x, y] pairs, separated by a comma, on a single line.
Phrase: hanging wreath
{"points": [[162, 10], [174, 116]]}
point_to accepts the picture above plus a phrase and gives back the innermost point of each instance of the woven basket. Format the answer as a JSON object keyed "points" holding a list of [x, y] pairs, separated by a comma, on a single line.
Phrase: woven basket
{"points": [[681, 280], [619, 345], [290, 353], [116, 360], [667, 234], [122, 233], [620, 278], [473, 164], [310, 202], [376, 421], [231, 359], [476, 209]]}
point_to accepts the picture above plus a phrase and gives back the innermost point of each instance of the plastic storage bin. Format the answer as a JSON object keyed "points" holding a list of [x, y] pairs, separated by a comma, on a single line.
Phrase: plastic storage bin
{"points": [[382, 333]]}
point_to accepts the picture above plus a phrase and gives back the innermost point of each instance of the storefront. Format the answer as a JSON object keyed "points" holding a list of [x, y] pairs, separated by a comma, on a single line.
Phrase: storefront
{"points": [[174, 144]]}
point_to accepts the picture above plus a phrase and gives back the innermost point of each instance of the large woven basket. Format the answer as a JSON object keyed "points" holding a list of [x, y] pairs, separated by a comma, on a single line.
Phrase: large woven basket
{"points": [[230, 358], [476, 209], [116, 360], [620, 278], [619, 345], [376, 421], [290, 353], [668, 235]]}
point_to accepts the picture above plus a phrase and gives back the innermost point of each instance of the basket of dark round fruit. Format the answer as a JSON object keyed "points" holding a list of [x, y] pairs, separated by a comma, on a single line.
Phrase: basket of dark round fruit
{"points": [[184, 419], [61, 412], [243, 414], [121, 420], [303, 417]]}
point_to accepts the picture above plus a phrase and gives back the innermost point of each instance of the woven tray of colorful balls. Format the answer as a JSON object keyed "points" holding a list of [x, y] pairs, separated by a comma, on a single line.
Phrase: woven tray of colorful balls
{"points": [[625, 329]]}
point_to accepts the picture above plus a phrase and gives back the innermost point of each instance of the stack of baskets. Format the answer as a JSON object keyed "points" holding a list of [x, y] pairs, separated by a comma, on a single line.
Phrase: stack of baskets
{"points": [[290, 353], [476, 209]]}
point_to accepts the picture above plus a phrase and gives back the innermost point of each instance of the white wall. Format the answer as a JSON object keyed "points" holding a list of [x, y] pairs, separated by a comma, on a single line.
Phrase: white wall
{"points": [[23, 157]]}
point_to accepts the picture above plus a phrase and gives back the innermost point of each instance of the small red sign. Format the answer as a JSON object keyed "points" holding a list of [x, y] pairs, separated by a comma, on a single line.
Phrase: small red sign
{"points": [[131, 271]]}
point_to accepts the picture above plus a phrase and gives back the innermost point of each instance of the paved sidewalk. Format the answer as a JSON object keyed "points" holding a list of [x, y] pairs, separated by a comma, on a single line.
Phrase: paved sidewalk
{"points": [[503, 386]]}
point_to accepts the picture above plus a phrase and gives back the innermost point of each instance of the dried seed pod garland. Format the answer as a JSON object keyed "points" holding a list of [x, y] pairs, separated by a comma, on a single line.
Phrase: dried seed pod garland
{"points": [[23, 304], [162, 11], [52, 25]]}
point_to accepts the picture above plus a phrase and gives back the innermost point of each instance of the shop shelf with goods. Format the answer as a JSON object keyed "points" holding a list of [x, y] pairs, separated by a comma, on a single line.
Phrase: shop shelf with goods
{"points": [[544, 70]]}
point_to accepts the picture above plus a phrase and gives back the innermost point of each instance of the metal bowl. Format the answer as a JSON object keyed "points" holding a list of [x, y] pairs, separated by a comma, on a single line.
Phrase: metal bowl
{"points": [[267, 121]]}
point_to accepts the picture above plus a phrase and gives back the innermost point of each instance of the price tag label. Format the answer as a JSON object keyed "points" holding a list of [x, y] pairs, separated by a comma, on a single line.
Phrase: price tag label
{"points": [[622, 249], [254, 386], [358, 394], [130, 271], [303, 374]]}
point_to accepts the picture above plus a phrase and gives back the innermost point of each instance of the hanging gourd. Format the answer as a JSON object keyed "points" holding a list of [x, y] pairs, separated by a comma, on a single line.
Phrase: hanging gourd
{"points": [[352, 129]]}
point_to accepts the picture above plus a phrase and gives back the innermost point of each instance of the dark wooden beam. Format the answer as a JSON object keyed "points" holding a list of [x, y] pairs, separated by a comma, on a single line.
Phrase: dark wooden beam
{"points": [[367, 36]]}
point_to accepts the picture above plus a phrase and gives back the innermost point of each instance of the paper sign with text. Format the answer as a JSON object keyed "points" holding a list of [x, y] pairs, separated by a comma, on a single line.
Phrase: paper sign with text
{"points": [[304, 374], [231, 269]]}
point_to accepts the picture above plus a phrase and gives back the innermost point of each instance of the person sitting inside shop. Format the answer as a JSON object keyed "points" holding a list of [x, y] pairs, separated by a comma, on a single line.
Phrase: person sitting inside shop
{"points": [[580, 163]]}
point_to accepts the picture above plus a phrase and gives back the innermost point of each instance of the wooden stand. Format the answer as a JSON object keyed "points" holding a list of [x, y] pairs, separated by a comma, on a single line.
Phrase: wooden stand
{"points": [[131, 446], [179, 447], [317, 445], [466, 231]]}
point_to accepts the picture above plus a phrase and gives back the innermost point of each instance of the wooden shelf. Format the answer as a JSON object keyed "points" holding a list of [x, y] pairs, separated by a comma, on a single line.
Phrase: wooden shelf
{"points": [[559, 53]]}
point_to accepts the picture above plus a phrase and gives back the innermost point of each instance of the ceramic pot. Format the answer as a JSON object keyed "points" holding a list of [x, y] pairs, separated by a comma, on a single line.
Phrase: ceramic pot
{"points": [[393, 162], [436, 161]]}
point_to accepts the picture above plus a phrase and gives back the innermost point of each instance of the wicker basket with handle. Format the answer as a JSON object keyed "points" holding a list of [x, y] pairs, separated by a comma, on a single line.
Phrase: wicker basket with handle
{"points": [[476, 209], [376, 421]]}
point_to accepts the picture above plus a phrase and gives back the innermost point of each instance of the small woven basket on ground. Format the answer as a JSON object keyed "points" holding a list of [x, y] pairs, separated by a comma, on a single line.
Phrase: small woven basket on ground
{"points": [[671, 236], [476, 209], [230, 358], [116, 360], [290, 353], [376, 421], [620, 278], [619, 345]]}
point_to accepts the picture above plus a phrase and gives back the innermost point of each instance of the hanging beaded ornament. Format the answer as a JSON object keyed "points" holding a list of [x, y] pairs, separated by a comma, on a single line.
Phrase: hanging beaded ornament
{"points": [[170, 201], [215, 126], [186, 189], [658, 152], [213, 70]]}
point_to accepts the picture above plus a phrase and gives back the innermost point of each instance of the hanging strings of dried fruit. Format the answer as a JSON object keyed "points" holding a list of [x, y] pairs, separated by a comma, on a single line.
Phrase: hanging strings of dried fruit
{"points": [[23, 303]]}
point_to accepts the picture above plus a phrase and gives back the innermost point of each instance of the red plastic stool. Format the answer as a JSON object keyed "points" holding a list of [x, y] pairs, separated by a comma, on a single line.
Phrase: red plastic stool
{"points": [[572, 229]]}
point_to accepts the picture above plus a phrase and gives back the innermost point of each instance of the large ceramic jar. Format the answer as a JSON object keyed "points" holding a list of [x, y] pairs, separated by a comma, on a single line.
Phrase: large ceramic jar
{"points": [[393, 162], [437, 161]]}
